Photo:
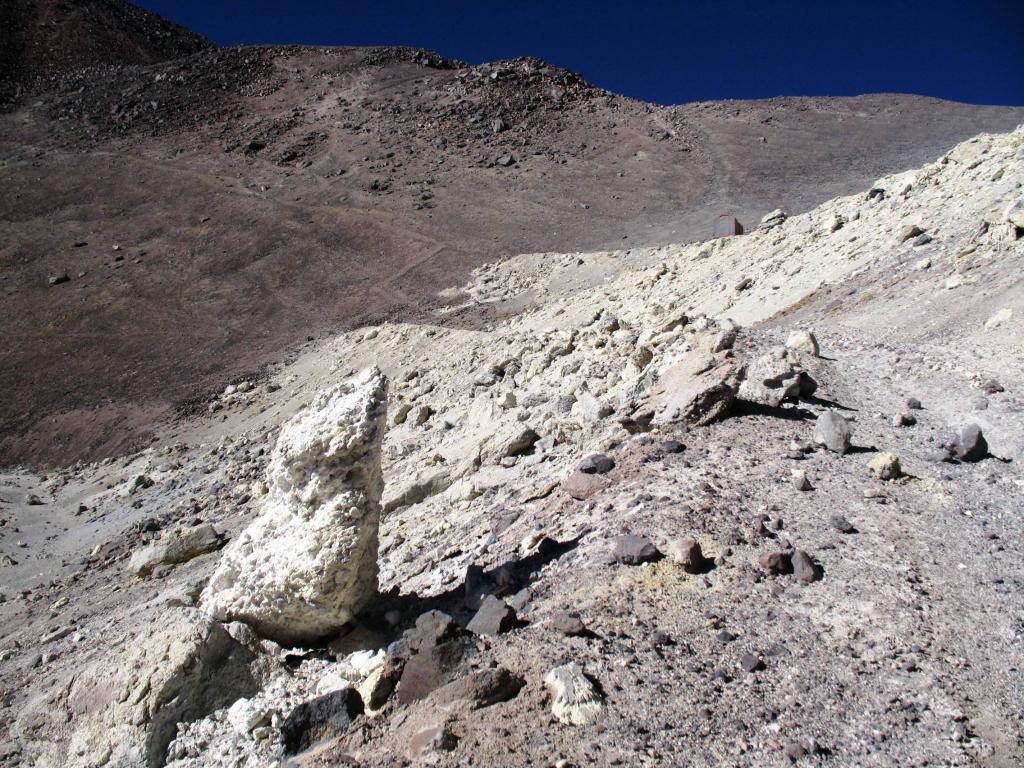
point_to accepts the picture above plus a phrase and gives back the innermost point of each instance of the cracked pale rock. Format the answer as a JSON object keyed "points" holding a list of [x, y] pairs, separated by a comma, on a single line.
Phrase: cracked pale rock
{"points": [[803, 341], [772, 378], [574, 699], [885, 466], [698, 390], [124, 710], [176, 546]]}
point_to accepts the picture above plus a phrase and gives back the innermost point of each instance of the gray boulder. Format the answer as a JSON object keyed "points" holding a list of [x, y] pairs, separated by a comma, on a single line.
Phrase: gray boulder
{"points": [[971, 444], [774, 377], [633, 550], [494, 617], [832, 430]]}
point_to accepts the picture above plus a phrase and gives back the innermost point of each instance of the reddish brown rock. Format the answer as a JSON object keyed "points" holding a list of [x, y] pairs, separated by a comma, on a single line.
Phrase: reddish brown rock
{"points": [[581, 485], [428, 670], [776, 563], [687, 554], [804, 567], [481, 689]]}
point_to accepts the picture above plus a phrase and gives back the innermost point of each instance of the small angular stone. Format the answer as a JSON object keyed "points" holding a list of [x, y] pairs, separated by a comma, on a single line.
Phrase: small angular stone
{"points": [[494, 617], [776, 563], [833, 431], [569, 624], [432, 628], [724, 340], [752, 663], [759, 526], [971, 444], [596, 464], [688, 554], [842, 525], [885, 466], [799, 479], [520, 599], [910, 232], [804, 567], [803, 341], [904, 420], [633, 550], [378, 687]]}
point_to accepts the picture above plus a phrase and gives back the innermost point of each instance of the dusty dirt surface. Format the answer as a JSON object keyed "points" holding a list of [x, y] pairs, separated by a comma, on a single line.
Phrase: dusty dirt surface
{"points": [[895, 639], [212, 212]]}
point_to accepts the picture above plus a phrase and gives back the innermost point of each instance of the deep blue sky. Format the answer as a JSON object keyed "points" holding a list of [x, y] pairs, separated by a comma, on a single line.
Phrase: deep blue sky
{"points": [[966, 50]]}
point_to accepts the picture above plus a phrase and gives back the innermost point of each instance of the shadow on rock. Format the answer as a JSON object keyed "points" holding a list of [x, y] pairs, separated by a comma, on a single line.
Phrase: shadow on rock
{"points": [[463, 600], [822, 402], [748, 408]]}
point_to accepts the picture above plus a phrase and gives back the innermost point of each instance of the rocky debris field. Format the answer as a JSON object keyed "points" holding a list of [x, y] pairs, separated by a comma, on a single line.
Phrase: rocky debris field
{"points": [[173, 224], [751, 501]]}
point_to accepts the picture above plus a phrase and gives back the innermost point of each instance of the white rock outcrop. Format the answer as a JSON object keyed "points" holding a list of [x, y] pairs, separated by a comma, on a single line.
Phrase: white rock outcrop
{"points": [[574, 698], [123, 709], [308, 563]]}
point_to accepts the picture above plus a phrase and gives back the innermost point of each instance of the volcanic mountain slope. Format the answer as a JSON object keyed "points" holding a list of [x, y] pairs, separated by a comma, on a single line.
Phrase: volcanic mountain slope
{"points": [[851, 604], [42, 40], [212, 212]]}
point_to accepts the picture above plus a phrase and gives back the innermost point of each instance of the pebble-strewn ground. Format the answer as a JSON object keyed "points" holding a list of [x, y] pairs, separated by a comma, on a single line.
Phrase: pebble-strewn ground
{"points": [[831, 617]]}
